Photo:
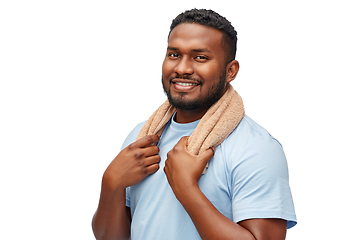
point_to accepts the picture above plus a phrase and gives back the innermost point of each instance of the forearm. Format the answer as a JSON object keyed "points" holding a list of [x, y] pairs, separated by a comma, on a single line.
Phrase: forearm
{"points": [[133, 164], [111, 221], [209, 222]]}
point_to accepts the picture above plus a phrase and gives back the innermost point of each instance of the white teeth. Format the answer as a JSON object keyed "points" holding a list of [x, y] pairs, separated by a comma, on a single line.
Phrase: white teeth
{"points": [[186, 84]]}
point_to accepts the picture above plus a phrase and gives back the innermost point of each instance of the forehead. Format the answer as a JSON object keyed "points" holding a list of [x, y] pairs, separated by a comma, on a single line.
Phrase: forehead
{"points": [[196, 36]]}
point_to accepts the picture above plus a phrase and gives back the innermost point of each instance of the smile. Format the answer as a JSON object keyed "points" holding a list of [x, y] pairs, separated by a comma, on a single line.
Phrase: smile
{"points": [[186, 84]]}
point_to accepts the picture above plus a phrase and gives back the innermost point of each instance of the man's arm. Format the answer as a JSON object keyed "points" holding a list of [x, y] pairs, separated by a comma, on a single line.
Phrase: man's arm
{"points": [[133, 164], [183, 172], [112, 219]]}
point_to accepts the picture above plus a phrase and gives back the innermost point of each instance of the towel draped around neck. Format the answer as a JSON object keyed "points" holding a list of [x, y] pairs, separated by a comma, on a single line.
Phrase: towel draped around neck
{"points": [[214, 127]]}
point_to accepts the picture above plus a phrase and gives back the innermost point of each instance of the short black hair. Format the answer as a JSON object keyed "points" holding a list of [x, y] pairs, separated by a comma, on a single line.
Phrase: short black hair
{"points": [[211, 19]]}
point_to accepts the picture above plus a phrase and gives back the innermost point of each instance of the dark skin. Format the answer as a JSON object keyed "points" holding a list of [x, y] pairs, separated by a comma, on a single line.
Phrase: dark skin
{"points": [[196, 51], [133, 164]]}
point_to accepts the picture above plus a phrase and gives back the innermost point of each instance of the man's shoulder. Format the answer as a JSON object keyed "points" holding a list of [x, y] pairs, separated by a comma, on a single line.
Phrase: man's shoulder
{"points": [[138, 127], [249, 136], [133, 134], [249, 129]]}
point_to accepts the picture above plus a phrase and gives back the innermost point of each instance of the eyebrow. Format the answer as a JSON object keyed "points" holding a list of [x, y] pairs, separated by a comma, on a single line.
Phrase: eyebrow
{"points": [[172, 48], [199, 50]]}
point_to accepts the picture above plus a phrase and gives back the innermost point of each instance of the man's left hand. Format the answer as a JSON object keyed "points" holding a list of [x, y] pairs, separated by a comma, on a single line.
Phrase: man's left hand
{"points": [[183, 169]]}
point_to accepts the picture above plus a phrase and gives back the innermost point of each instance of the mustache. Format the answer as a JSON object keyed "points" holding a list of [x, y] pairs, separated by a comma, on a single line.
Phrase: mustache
{"points": [[185, 78]]}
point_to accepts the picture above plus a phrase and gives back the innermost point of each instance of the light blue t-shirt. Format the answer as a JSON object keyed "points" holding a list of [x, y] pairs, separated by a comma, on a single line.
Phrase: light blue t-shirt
{"points": [[247, 178]]}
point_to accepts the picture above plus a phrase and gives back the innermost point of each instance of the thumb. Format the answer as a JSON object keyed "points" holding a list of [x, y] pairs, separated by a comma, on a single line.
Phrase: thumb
{"points": [[207, 155]]}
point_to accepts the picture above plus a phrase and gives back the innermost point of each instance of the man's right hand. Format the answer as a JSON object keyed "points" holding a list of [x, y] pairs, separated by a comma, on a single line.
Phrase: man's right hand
{"points": [[133, 164]]}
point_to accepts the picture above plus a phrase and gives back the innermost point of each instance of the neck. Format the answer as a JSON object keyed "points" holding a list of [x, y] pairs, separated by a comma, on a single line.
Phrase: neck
{"points": [[187, 116]]}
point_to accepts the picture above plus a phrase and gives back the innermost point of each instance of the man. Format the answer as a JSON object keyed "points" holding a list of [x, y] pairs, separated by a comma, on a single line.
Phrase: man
{"points": [[236, 189]]}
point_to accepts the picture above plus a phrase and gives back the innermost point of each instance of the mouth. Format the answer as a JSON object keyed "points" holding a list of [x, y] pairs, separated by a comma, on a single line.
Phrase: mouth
{"points": [[181, 86], [184, 85]]}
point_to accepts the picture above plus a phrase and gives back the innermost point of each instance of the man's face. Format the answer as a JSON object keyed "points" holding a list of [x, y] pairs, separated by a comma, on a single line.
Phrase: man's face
{"points": [[194, 70]]}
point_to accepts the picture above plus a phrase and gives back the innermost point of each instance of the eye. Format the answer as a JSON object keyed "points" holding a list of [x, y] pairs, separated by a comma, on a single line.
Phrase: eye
{"points": [[173, 55], [201, 58]]}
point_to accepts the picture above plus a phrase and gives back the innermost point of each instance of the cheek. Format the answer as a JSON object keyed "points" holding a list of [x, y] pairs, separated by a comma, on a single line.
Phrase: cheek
{"points": [[209, 73], [167, 68]]}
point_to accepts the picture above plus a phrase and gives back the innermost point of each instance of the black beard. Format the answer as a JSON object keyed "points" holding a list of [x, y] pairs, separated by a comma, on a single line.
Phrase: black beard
{"points": [[214, 94]]}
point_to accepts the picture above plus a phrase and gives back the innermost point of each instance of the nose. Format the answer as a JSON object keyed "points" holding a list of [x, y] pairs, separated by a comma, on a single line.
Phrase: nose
{"points": [[184, 66]]}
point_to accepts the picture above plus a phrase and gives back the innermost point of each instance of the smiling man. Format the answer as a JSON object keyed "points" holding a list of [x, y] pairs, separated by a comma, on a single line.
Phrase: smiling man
{"points": [[194, 71], [199, 168]]}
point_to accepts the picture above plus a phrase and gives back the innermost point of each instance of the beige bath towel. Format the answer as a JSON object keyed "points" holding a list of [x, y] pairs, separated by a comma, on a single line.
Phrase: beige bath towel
{"points": [[214, 127]]}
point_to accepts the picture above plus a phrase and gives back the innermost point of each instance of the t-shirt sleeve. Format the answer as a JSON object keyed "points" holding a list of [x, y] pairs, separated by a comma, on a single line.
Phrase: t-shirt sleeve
{"points": [[260, 182]]}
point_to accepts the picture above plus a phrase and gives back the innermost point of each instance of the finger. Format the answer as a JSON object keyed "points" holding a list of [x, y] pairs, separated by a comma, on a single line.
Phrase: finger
{"points": [[150, 151], [152, 168], [207, 155], [152, 160], [145, 141], [182, 143]]}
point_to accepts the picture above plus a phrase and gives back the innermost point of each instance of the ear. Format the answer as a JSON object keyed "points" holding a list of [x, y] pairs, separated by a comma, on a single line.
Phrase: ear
{"points": [[231, 70]]}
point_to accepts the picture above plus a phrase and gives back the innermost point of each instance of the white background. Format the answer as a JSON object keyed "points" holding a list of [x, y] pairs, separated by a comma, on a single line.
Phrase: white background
{"points": [[77, 76]]}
